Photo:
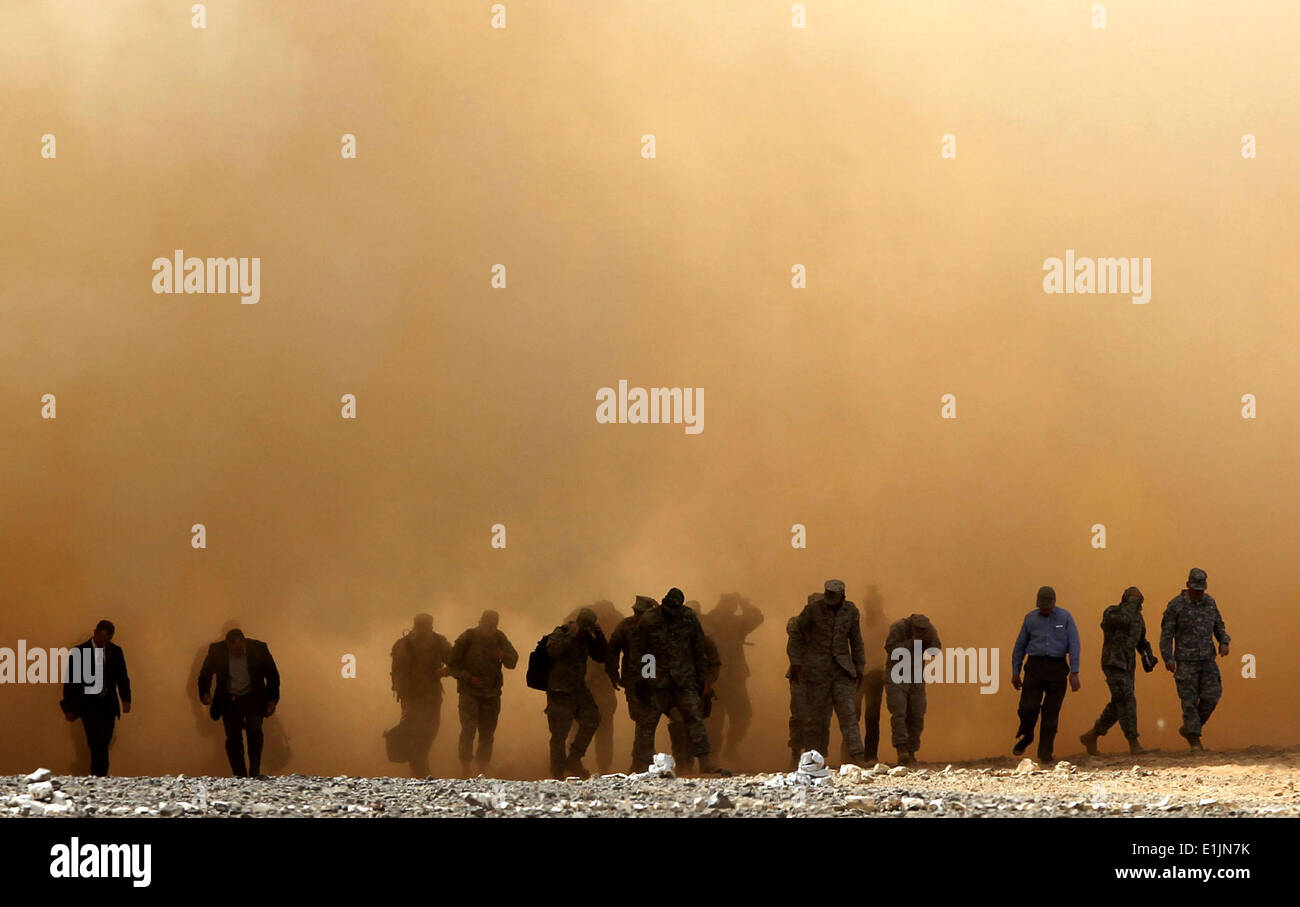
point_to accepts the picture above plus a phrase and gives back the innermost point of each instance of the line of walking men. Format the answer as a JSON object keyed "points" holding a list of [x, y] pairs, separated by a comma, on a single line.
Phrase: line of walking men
{"points": [[667, 665]]}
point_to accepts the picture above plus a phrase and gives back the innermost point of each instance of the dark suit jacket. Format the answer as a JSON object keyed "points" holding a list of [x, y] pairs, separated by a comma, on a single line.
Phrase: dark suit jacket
{"points": [[115, 680], [261, 671]]}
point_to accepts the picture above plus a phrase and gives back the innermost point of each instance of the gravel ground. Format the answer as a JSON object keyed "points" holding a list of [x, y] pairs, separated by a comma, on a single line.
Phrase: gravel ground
{"points": [[1254, 782]]}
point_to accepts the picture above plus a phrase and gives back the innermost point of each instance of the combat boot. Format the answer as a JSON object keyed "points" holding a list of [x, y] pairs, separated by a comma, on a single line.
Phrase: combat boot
{"points": [[1022, 744], [1193, 740], [709, 766], [1089, 741], [906, 758], [575, 768], [1137, 749]]}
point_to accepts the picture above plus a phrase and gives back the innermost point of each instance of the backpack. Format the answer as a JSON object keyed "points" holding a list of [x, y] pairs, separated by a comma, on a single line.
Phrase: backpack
{"points": [[539, 666]]}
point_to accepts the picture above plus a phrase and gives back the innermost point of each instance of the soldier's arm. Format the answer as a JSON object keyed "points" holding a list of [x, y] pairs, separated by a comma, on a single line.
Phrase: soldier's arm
{"points": [[559, 641], [700, 654], [1168, 626], [617, 643], [599, 650], [1143, 644], [1220, 631], [856, 648], [932, 642], [750, 617], [511, 655], [123, 681], [795, 647], [456, 663]]}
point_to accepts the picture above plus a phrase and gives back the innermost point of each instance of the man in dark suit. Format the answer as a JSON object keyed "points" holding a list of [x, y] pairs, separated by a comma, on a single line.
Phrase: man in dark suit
{"points": [[99, 670], [248, 688]]}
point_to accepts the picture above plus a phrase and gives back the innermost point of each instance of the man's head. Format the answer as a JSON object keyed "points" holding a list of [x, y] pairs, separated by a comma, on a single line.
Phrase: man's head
{"points": [[423, 625], [728, 603], [1046, 599], [586, 619], [642, 604], [674, 599], [488, 622], [833, 592], [103, 634], [1134, 594], [235, 642], [1196, 582]]}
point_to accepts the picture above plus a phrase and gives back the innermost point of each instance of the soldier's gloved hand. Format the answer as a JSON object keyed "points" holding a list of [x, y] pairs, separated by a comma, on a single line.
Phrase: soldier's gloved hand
{"points": [[1074, 682], [1223, 648], [206, 699], [497, 655], [707, 691], [270, 709], [1015, 681], [1169, 666]]}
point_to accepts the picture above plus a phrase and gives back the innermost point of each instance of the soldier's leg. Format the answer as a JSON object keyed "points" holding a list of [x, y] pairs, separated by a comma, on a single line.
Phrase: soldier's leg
{"points": [[1187, 678], [489, 710], [232, 719], [740, 712], [875, 691], [1127, 707], [607, 705], [643, 743], [720, 717], [588, 715], [796, 722], [559, 718], [1111, 710], [253, 727], [817, 713], [422, 715], [844, 693], [1211, 689], [467, 711], [896, 702], [678, 742], [687, 700], [916, 715], [1053, 695]]}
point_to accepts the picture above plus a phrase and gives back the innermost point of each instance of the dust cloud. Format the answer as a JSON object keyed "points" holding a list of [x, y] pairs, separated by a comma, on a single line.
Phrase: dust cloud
{"points": [[475, 405]]}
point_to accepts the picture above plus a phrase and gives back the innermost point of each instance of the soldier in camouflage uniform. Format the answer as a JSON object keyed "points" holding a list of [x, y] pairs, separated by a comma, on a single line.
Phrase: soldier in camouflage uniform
{"points": [[828, 663], [476, 662], [798, 717], [679, 740], [728, 624], [672, 635], [904, 696], [1188, 629], [623, 665], [1124, 632], [567, 697], [419, 664], [607, 617]]}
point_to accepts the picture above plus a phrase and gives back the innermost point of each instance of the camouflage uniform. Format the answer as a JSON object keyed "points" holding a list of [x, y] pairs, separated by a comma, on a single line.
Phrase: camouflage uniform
{"points": [[731, 705], [673, 635], [679, 740], [567, 697], [798, 717], [417, 680], [1188, 630], [602, 691], [1124, 632], [906, 699], [480, 706], [827, 660]]}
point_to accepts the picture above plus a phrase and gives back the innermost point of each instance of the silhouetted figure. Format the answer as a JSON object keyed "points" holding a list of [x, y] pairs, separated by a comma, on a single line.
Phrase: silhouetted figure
{"points": [[568, 699], [623, 664], [247, 691], [419, 664], [476, 662], [1048, 637], [827, 661], [728, 624], [99, 667], [602, 690], [680, 741]]}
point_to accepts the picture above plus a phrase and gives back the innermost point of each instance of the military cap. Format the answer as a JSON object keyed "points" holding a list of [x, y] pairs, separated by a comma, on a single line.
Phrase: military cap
{"points": [[643, 603], [1196, 578]]}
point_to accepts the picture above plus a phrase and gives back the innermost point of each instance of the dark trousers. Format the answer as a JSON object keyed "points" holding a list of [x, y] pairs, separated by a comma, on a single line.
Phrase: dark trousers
{"points": [[874, 690], [98, 720], [243, 714], [478, 714], [1043, 690]]}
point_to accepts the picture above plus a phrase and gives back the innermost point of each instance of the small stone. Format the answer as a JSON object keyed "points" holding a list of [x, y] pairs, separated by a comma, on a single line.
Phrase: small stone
{"points": [[1025, 767], [42, 791], [909, 803], [720, 801], [41, 774]]}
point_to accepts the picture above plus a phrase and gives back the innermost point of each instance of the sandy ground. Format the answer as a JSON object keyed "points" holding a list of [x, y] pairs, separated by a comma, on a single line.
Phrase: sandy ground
{"points": [[1253, 782]]}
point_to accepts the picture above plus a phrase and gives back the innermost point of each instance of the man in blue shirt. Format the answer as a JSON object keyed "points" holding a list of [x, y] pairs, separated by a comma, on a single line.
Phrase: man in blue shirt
{"points": [[1047, 636]]}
